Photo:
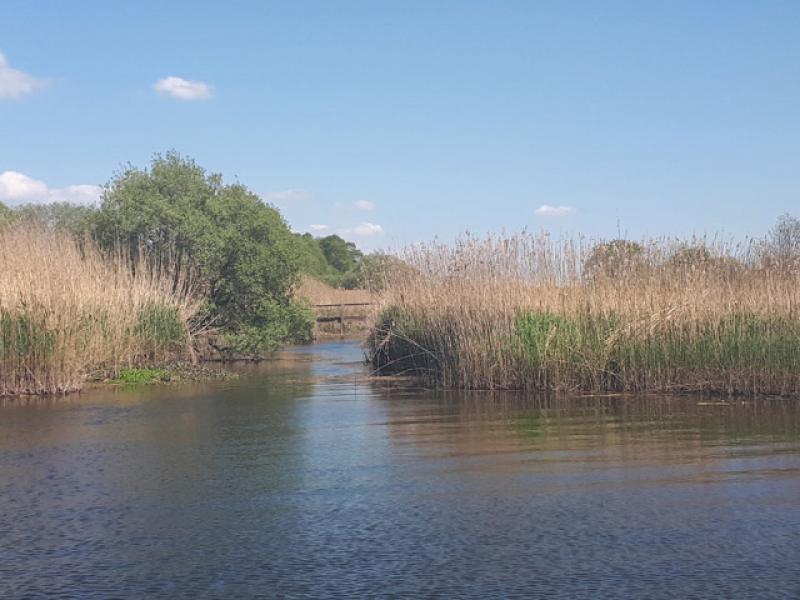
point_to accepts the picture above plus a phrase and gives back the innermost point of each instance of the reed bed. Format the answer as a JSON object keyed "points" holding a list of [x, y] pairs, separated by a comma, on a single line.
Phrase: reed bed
{"points": [[67, 311], [531, 312], [317, 292]]}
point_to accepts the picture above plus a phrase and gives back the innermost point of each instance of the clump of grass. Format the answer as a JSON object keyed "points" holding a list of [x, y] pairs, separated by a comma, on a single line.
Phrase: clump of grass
{"points": [[160, 328], [529, 312], [67, 310]]}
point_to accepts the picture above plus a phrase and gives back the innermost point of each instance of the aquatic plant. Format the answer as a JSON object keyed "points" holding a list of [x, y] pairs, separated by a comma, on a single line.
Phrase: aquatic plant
{"points": [[139, 376], [66, 310], [531, 312]]}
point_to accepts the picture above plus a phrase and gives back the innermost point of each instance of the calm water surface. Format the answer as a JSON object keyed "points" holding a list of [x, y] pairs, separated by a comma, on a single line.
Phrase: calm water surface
{"points": [[305, 479]]}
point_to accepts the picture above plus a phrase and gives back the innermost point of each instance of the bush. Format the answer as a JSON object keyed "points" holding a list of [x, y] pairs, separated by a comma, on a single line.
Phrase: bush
{"points": [[238, 251], [281, 324]]}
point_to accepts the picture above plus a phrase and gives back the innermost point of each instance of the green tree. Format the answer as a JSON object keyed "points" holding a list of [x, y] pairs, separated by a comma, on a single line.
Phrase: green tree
{"points": [[341, 255], [235, 248], [311, 260]]}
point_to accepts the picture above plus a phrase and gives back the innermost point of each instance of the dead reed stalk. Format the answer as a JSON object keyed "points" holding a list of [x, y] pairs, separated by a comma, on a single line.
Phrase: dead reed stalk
{"points": [[67, 310], [525, 311]]}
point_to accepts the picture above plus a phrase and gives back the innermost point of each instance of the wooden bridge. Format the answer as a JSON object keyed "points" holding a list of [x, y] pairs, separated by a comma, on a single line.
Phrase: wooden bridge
{"points": [[338, 313]]}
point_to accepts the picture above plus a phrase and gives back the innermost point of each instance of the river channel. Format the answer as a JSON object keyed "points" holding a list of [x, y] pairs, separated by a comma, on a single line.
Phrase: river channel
{"points": [[306, 478]]}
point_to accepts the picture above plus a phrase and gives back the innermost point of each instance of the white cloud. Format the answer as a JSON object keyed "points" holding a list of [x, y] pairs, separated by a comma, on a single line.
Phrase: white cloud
{"points": [[545, 210], [15, 83], [17, 188], [183, 89], [290, 195], [364, 205], [315, 227], [364, 230]]}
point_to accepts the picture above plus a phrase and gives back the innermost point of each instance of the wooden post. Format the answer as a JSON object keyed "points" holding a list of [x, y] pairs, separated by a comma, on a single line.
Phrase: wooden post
{"points": [[341, 319]]}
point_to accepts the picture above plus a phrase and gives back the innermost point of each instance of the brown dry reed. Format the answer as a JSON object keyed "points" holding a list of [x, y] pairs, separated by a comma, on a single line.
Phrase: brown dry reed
{"points": [[317, 292], [68, 311], [532, 312]]}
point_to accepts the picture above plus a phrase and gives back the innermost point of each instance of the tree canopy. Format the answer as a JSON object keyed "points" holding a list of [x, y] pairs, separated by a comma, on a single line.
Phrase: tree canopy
{"points": [[340, 254], [235, 247], [312, 261]]}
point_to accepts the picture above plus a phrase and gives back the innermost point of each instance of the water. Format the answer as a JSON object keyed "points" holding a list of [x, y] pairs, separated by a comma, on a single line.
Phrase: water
{"points": [[305, 479]]}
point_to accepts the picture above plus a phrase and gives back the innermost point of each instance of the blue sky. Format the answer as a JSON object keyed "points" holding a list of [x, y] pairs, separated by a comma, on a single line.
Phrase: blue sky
{"points": [[397, 122]]}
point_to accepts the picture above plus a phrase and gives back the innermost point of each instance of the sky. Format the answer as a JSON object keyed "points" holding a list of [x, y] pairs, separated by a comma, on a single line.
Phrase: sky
{"points": [[396, 122]]}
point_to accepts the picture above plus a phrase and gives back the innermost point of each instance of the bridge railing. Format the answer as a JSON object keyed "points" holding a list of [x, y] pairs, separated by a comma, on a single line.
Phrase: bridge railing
{"points": [[341, 317]]}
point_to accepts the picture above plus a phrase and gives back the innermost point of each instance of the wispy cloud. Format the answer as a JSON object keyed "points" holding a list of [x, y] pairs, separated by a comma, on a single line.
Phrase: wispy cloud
{"points": [[364, 205], [290, 195], [15, 83], [17, 188], [365, 229], [317, 227], [545, 210], [183, 89]]}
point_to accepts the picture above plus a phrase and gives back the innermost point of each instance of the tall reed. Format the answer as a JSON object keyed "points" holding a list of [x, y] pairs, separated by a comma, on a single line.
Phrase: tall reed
{"points": [[67, 310], [525, 312]]}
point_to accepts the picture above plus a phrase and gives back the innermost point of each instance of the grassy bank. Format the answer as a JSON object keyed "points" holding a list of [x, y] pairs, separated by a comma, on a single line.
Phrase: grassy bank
{"points": [[67, 311], [527, 312]]}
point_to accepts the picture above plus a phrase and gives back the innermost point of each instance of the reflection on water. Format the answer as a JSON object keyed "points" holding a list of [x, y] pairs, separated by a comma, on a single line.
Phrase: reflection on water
{"points": [[306, 478]]}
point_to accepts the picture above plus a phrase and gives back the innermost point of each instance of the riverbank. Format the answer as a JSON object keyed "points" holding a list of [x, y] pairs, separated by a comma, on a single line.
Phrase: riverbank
{"points": [[530, 313], [68, 311]]}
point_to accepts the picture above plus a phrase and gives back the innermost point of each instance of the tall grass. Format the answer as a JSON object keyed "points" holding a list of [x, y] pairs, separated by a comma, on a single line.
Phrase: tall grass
{"points": [[67, 310], [319, 292], [531, 312]]}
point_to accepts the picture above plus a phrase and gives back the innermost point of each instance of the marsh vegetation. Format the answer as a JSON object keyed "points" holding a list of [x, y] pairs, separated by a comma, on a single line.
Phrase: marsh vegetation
{"points": [[67, 309], [533, 312], [171, 251]]}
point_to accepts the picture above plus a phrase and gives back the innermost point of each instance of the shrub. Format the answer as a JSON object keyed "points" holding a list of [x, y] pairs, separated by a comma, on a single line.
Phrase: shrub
{"points": [[135, 376], [281, 324], [237, 251]]}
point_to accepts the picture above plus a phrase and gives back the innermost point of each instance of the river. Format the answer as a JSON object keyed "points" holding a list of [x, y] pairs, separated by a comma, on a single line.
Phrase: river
{"points": [[305, 478]]}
